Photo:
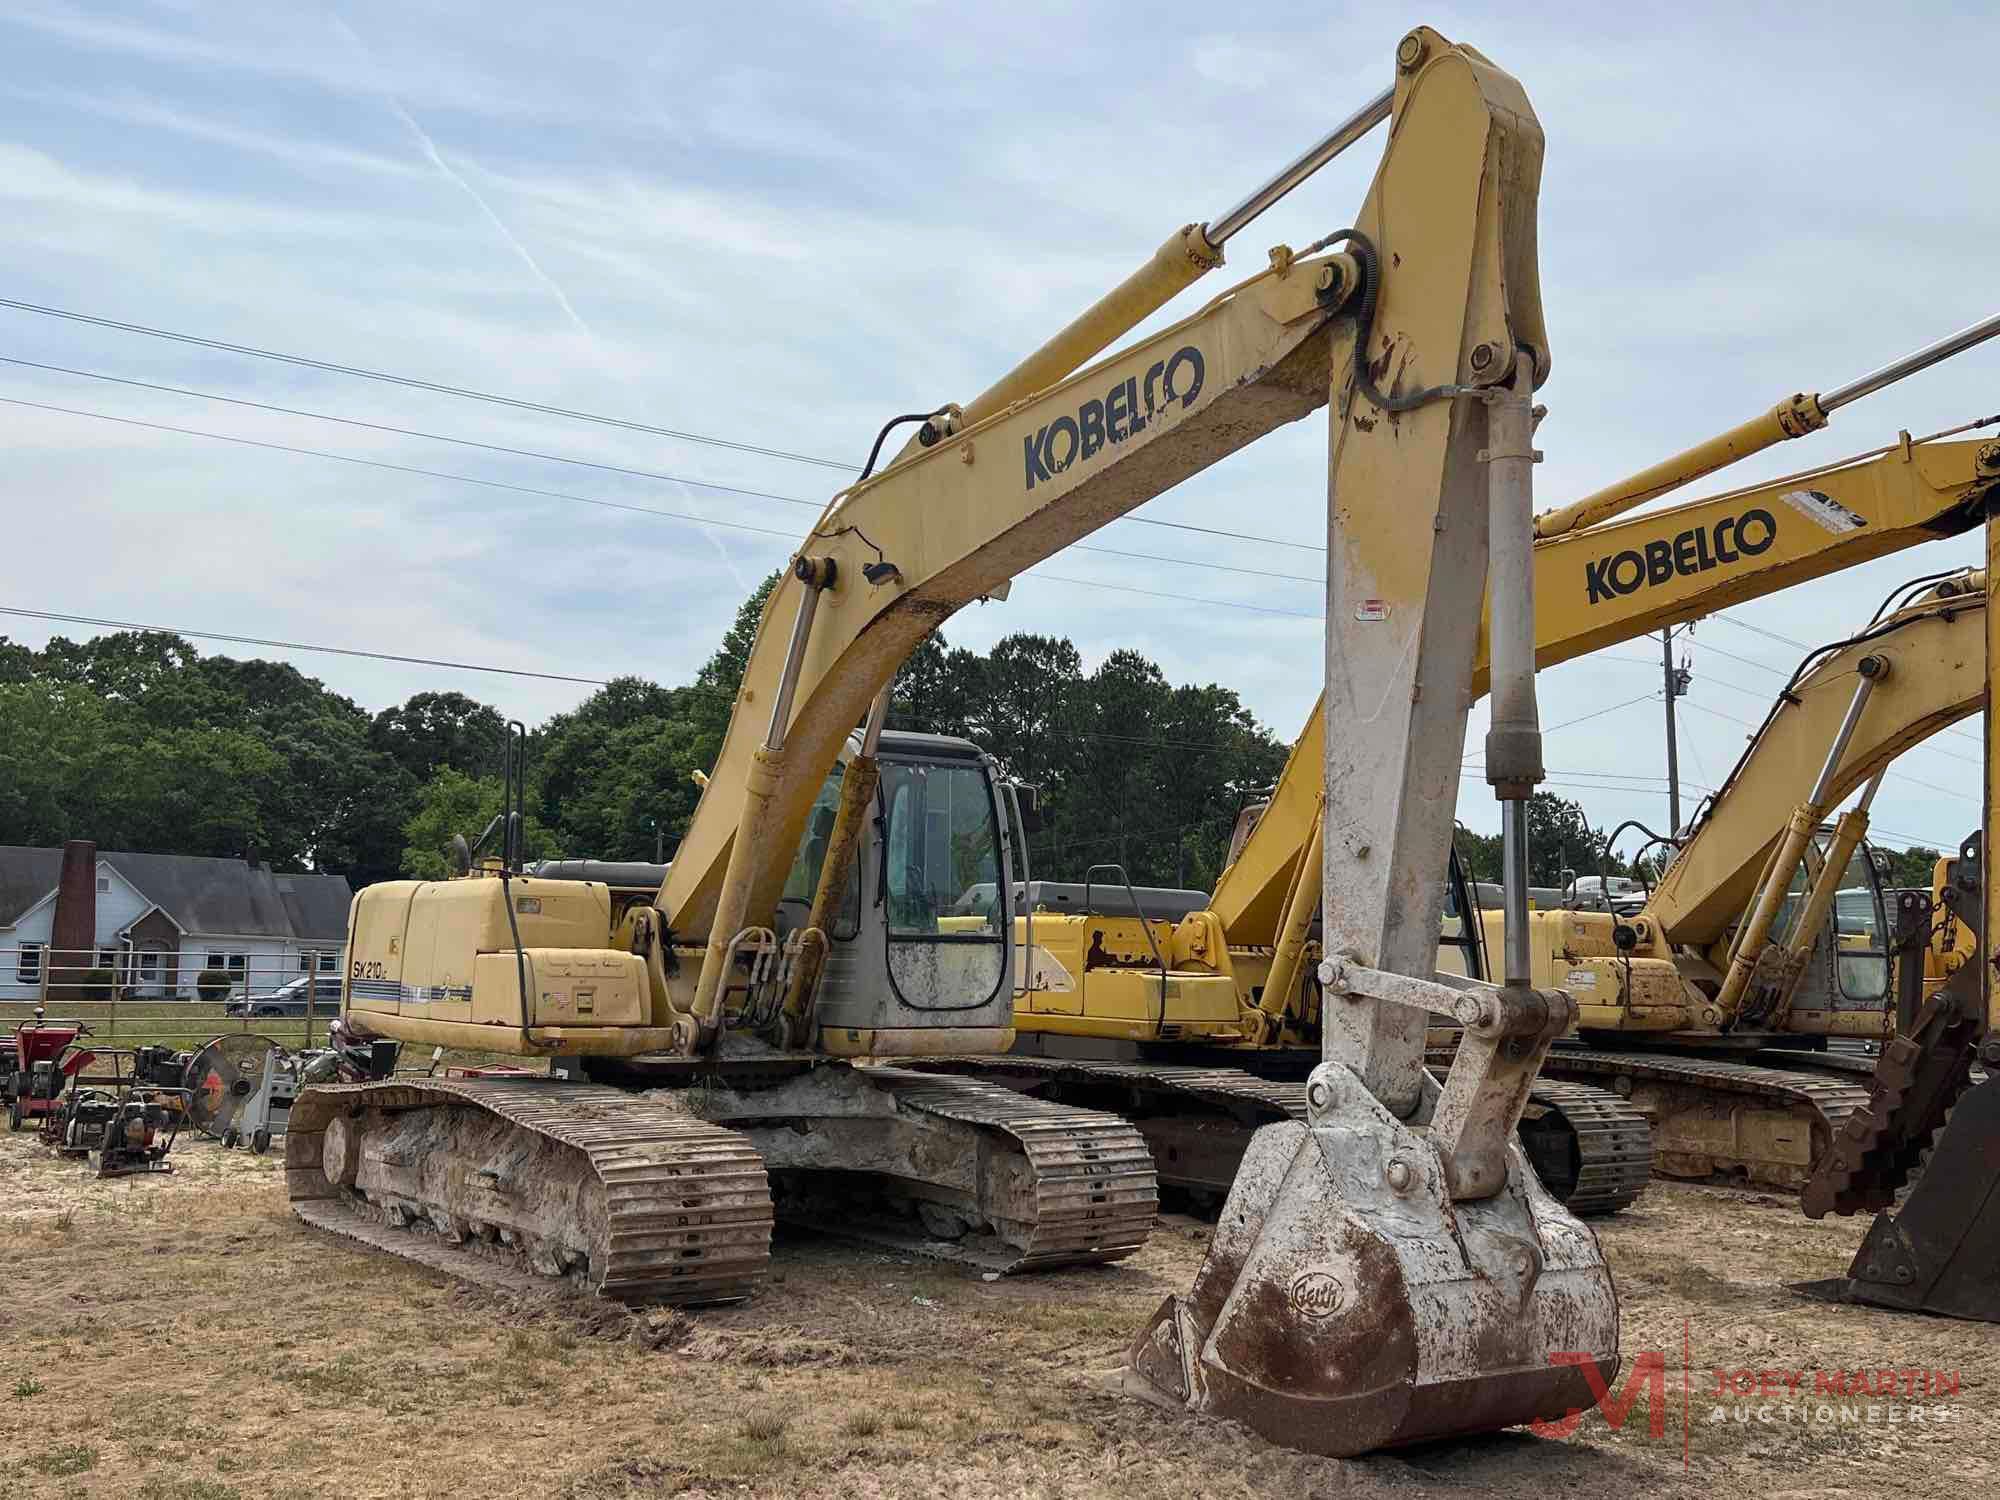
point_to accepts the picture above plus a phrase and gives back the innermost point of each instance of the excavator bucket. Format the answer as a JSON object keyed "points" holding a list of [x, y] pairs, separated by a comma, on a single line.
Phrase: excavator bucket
{"points": [[1939, 1252], [1348, 1304], [1924, 1154]]}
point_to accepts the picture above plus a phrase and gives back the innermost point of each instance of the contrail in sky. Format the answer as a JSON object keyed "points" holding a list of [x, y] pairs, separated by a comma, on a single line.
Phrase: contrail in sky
{"points": [[513, 242]]}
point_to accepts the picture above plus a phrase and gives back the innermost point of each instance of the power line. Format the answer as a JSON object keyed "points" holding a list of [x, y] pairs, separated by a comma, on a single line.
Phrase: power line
{"points": [[251, 640], [1745, 661], [588, 463], [414, 432], [1737, 687], [1571, 723], [1916, 839], [1798, 645], [394, 468], [1760, 630], [466, 393], [1091, 583], [413, 383], [566, 495]]}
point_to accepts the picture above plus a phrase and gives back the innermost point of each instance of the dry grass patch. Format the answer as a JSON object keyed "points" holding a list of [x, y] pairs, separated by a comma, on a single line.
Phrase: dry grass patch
{"points": [[69, 1458]]}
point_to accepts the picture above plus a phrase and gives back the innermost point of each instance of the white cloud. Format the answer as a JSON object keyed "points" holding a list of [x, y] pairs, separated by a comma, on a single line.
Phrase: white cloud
{"points": [[783, 223]]}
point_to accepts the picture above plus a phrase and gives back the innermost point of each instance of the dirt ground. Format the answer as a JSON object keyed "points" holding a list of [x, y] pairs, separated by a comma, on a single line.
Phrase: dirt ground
{"points": [[184, 1339]]}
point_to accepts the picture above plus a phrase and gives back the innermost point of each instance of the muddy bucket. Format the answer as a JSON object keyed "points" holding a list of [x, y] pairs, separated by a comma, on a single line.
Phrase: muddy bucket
{"points": [[1347, 1304]]}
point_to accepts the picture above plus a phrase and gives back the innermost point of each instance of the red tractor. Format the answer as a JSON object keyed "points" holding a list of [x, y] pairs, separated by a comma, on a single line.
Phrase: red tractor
{"points": [[46, 1058]]}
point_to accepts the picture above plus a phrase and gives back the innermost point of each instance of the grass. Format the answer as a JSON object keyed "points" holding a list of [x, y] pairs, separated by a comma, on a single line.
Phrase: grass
{"points": [[158, 1488], [347, 1376], [181, 1024], [25, 1387], [70, 1458], [861, 1424]]}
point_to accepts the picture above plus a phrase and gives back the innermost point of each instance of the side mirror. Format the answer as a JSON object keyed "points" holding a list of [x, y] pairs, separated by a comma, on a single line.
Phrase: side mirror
{"points": [[460, 857], [1030, 800]]}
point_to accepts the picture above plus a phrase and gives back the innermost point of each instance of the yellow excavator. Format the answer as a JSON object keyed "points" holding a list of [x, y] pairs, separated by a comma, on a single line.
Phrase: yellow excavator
{"points": [[1952, 943], [1711, 1008], [1391, 1269], [1199, 1021], [1728, 1007]]}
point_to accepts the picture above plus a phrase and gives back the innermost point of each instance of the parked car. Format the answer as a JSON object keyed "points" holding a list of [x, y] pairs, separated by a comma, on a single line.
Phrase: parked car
{"points": [[290, 999], [1588, 892]]}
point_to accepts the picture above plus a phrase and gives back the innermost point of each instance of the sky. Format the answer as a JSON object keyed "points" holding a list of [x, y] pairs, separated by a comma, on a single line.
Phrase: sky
{"points": [[778, 225]]}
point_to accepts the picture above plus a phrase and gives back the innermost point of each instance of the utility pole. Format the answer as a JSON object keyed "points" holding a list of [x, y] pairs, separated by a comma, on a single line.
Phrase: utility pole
{"points": [[1676, 681]]}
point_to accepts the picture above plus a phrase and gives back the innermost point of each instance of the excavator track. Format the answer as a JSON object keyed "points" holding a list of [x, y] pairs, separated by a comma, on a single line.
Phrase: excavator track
{"points": [[999, 1180], [1096, 1193], [505, 1182], [1697, 1131], [1611, 1142], [1198, 1121]]}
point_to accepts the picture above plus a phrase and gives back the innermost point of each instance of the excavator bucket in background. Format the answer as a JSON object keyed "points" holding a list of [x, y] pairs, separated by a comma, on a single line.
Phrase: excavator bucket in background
{"points": [[1930, 1129], [1390, 1270]]}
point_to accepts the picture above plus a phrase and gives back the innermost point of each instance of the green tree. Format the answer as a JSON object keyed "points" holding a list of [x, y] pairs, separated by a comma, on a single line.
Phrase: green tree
{"points": [[431, 730], [17, 662], [619, 768], [1479, 852], [1910, 867], [137, 741], [455, 803]]}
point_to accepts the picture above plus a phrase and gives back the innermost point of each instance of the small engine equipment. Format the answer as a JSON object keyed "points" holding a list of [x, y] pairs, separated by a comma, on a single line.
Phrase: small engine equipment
{"points": [[124, 1131]]}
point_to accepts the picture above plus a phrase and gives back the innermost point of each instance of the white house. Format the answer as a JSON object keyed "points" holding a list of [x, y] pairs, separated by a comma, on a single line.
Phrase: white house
{"points": [[156, 921]]}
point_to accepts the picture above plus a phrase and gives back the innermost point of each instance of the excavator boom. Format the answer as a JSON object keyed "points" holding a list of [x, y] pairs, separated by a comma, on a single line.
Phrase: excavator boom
{"points": [[1925, 665], [1625, 579]]}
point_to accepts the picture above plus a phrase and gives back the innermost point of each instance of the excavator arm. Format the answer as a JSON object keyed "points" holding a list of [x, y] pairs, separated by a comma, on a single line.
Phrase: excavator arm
{"points": [[1706, 954], [1847, 713], [1625, 579]]}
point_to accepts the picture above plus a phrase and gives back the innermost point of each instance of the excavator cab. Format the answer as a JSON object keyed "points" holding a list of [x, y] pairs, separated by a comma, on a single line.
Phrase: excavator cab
{"points": [[908, 946], [1844, 987]]}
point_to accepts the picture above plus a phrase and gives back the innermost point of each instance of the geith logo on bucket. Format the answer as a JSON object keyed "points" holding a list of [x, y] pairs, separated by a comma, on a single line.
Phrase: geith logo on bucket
{"points": [[1691, 552], [1126, 409]]}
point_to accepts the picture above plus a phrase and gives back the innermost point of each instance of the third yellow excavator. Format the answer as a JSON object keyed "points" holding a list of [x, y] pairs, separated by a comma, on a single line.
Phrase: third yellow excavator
{"points": [[1199, 1020]]}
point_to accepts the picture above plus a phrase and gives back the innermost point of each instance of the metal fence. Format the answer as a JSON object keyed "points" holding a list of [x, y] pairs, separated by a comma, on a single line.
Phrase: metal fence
{"points": [[179, 999]]}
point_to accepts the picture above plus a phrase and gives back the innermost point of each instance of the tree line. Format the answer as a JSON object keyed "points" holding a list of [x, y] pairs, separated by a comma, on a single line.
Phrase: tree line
{"points": [[139, 741]]}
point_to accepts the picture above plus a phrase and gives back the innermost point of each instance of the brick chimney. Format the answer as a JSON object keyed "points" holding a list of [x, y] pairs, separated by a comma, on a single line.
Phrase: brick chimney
{"points": [[73, 934]]}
